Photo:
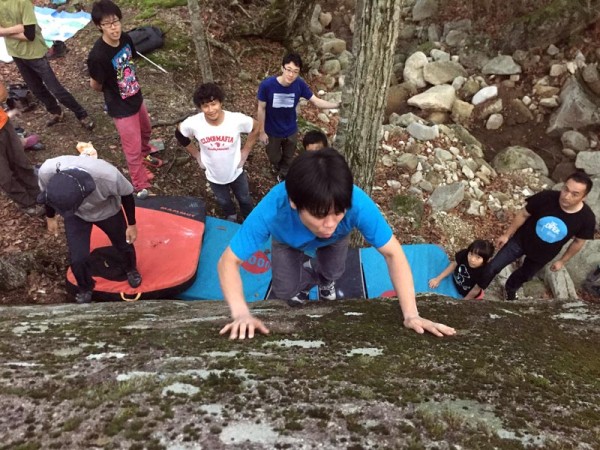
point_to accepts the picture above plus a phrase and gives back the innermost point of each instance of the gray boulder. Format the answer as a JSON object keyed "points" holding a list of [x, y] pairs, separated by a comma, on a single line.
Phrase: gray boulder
{"points": [[518, 158], [575, 140], [404, 120], [424, 9], [501, 65], [413, 69], [447, 197], [560, 283], [588, 162], [455, 38], [577, 109], [333, 45], [584, 262], [437, 98], [442, 72], [423, 132]]}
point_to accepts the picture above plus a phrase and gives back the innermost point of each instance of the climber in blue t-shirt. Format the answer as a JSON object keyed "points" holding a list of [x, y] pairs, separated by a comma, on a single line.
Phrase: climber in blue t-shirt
{"points": [[314, 212]]}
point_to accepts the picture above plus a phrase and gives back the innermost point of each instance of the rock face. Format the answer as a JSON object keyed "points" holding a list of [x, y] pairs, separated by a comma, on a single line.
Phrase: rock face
{"points": [[446, 197], [437, 98], [577, 109], [517, 158], [442, 72], [138, 375]]}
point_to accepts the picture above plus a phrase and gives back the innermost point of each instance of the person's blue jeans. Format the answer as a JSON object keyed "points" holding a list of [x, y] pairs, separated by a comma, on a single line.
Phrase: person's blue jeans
{"points": [[510, 252], [241, 191], [291, 276], [42, 81]]}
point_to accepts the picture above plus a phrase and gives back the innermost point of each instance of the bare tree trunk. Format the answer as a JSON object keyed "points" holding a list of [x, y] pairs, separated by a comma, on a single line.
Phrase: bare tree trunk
{"points": [[199, 36], [364, 95]]}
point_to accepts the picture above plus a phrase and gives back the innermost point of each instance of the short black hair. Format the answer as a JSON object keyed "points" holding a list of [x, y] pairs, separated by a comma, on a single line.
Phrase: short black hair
{"points": [[319, 181], [208, 92], [482, 248], [105, 8], [314, 137], [292, 58], [580, 176]]}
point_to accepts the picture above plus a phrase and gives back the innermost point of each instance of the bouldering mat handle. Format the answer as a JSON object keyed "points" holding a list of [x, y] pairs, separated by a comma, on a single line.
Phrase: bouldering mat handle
{"points": [[132, 299]]}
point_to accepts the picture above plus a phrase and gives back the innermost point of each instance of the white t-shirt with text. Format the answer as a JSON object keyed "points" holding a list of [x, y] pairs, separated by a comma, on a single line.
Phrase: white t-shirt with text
{"points": [[220, 145]]}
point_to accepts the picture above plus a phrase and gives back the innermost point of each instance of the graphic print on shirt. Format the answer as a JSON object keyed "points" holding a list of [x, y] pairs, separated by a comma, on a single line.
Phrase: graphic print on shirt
{"points": [[125, 69], [551, 229], [461, 276], [281, 100], [217, 143]]}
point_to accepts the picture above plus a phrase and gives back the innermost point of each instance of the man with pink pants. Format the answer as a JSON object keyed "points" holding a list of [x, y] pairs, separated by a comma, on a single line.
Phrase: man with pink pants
{"points": [[113, 72]]}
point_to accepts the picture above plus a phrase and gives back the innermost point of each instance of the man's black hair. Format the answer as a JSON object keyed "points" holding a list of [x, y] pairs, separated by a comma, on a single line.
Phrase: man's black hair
{"points": [[319, 181], [580, 176], [482, 248], [208, 92], [292, 58], [314, 137], [105, 8]]}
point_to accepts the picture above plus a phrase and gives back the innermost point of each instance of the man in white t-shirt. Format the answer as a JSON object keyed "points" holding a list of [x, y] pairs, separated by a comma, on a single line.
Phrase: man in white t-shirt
{"points": [[218, 135]]}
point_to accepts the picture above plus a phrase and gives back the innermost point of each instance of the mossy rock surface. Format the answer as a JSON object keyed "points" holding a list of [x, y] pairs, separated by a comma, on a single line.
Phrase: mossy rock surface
{"points": [[330, 375]]}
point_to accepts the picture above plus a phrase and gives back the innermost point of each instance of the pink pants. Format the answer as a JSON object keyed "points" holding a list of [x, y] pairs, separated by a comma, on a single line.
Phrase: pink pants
{"points": [[134, 132]]}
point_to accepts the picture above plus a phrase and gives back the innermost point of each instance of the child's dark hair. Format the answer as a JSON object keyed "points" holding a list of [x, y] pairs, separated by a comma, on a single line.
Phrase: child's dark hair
{"points": [[320, 181], [292, 58], [105, 8], [208, 92], [482, 248], [314, 137]]}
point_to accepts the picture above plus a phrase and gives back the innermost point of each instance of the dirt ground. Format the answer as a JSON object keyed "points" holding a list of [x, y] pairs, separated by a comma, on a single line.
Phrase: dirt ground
{"points": [[169, 99]]}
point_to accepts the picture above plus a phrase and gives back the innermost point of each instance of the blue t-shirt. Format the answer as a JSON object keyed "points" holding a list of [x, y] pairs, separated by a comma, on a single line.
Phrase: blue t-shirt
{"points": [[274, 216], [280, 114]]}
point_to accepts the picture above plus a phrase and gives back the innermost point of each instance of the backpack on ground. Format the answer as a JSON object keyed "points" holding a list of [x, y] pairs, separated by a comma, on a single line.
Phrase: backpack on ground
{"points": [[147, 39]]}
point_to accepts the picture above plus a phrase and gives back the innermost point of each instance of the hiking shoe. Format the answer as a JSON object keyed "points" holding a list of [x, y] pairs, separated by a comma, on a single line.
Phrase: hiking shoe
{"points": [[142, 194], [301, 298], [58, 50], [33, 143], [87, 123], [327, 291], [56, 118], [134, 278], [35, 210], [152, 161], [510, 295], [83, 297]]}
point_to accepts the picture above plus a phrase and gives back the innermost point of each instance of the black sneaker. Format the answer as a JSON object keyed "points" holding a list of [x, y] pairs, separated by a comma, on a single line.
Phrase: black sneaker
{"points": [[327, 291], [83, 297], [134, 278], [510, 295], [301, 298]]}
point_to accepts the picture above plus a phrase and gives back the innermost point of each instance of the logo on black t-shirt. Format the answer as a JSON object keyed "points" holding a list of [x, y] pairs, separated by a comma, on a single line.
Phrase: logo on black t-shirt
{"points": [[551, 229]]}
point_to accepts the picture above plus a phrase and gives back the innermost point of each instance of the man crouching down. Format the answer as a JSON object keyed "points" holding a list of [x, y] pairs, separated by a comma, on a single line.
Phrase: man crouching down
{"points": [[314, 210], [88, 191]]}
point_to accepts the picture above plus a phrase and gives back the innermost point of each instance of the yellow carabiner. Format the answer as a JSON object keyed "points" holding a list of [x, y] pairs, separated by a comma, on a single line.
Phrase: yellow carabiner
{"points": [[134, 299]]}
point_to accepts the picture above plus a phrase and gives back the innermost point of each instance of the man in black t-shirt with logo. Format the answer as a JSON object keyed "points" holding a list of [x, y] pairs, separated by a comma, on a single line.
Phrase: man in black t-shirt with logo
{"points": [[541, 229]]}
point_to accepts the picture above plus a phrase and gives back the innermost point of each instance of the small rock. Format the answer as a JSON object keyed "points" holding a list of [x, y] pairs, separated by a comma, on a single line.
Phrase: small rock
{"points": [[494, 122], [552, 50], [423, 132], [485, 94]]}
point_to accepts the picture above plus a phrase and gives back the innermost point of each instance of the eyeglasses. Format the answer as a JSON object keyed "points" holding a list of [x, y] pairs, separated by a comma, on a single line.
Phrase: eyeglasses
{"points": [[291, 71], [113, 24]]}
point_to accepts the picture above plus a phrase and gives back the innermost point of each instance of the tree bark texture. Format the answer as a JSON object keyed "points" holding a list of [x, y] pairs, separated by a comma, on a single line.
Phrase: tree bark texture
{"points": [[199, 37], [364, 94]]}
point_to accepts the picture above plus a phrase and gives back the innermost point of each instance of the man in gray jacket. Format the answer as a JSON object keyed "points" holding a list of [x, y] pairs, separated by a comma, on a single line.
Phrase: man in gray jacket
{"points": [[87, 191]]}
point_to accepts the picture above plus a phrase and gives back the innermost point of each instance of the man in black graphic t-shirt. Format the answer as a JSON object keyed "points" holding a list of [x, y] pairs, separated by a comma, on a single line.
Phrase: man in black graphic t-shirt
{"points": [[113, 72], [541, 229]]}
